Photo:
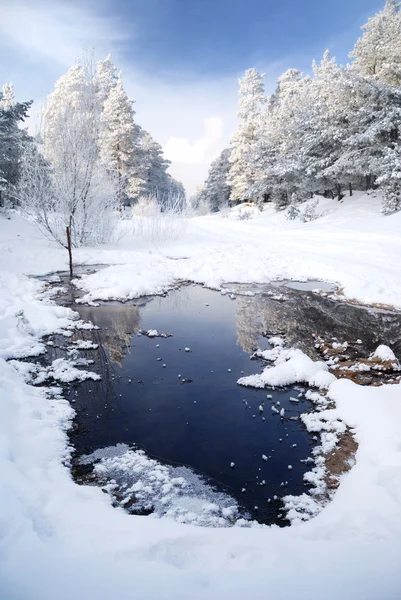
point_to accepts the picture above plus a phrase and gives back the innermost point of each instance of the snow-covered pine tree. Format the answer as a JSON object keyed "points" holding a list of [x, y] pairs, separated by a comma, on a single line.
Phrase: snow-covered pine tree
{"points": [[216, 191], [373, 131], [119, 142], [157, 180], [284, 127], [12, 140], [106, 79], [377, 53], [242, 175], [330, 110]]}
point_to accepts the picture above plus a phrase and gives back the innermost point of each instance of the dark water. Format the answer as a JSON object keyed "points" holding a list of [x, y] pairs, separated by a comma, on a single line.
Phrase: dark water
{"points": [[205, 423]]}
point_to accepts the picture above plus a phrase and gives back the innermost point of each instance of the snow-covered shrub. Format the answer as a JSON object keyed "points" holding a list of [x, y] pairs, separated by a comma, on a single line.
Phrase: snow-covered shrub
{"points": [[161, 224], [225, 210], [391, 197], [203, 208], [309, 213], [390, 181], [293, 212], [244, 215], [146, 206]]}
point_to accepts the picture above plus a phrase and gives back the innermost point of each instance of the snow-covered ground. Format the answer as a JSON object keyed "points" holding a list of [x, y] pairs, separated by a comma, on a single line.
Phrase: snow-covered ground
{"points": [[62, 541]]}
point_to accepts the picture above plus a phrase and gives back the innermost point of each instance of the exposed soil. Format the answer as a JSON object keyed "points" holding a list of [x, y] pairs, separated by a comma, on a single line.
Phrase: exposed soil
{"points": [[340, 460]]}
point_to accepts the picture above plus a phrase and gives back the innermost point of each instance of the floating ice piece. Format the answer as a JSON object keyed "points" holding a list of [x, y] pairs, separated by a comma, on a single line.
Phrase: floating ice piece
{"points": [[187, 349], [269, 396], [232, 464], [260, 408], [151, 333], [289, 467], [294, 399], [264, 457], [229, 370], [85, 345], [282, 412], [274, 409]]}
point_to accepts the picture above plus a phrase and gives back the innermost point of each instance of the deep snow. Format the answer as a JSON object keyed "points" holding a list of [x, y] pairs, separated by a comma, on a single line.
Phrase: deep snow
{"points": [[60, 540]]}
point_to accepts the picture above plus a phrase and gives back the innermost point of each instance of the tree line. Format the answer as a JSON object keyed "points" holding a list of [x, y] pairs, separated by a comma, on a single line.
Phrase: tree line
{"points": [[336, 130]]}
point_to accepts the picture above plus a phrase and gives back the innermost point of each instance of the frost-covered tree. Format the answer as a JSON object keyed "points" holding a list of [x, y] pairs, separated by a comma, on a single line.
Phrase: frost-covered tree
{"points": [[7, 99], [216, 191], [106, 79], [12, 140], [243, 176], [71, 146], [377, 53]]}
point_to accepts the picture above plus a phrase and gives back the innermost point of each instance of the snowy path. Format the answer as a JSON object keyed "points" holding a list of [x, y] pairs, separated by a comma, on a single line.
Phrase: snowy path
{"points": [[361, 254]]}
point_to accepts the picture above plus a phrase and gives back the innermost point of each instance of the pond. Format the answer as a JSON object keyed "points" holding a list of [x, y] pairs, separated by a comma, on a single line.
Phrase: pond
{"points": [[177, 397]]}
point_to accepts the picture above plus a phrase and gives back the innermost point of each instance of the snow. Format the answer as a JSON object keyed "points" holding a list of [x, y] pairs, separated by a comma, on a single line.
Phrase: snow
{"points": [[290, 366], [383, 352], [61, 540], [351, 244], [85, 345]]}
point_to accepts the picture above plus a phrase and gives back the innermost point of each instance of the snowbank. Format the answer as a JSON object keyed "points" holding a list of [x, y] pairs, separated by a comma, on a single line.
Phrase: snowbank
{"points": [[62, 541]]}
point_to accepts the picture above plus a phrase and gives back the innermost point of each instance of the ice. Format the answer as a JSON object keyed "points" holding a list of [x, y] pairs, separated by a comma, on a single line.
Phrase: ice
{"points": [[174, 492]]}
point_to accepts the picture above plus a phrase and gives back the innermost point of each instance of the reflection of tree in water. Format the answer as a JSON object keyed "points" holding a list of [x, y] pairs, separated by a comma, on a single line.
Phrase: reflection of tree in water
{"points": [[117, 326], [305, 314], [249, 325]]}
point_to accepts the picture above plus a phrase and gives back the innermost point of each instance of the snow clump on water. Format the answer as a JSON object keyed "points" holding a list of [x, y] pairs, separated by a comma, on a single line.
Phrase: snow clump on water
{"points": [[143, 484]]}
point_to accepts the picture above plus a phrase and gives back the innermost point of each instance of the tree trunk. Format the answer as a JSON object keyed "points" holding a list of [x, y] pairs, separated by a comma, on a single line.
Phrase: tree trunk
{"points": [[332, 194], [368, 182], [350, 189], [69, 249], [338, 190]]}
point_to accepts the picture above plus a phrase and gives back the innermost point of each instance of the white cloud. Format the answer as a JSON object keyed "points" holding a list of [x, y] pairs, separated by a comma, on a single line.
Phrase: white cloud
{"points": [[57, 30], [180, 149]]}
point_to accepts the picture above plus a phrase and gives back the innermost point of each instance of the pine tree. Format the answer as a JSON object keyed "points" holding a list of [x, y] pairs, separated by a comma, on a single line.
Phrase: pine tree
{"points": [[12, 140], [216, 191], [157, 181], [119, 143], [242, 176], [106, 79]]}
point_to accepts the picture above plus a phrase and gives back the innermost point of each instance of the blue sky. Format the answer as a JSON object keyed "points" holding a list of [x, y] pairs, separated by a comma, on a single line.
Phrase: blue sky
{"points": [[180, 58], [211, 37]]}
